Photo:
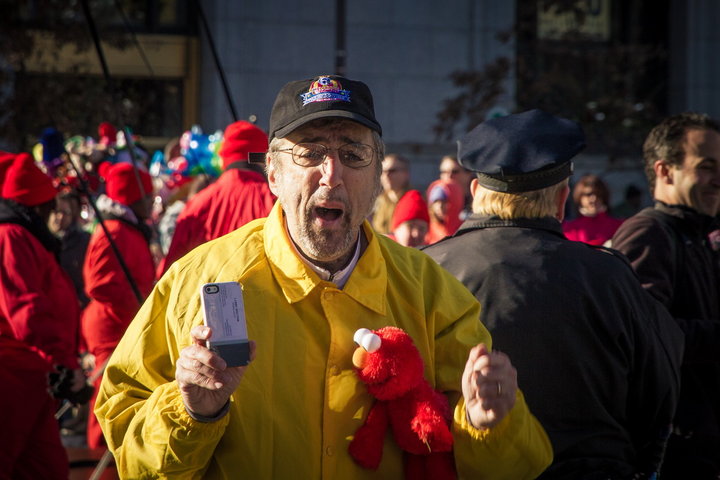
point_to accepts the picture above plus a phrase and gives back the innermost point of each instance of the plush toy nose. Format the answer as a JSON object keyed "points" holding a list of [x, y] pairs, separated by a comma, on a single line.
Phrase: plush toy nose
{"points": [[359, 357]]}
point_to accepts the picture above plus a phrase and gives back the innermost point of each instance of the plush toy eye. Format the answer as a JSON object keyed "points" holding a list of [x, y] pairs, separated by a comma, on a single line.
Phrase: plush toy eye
{"points": [[367, 339]]}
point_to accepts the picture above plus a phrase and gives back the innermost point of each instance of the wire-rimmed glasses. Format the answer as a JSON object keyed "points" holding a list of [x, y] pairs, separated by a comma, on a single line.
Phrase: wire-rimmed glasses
{"points": [[353, 155]]}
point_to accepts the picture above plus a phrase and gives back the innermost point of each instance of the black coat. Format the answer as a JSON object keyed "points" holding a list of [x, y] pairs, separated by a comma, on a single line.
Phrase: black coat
{"points": [[670, 251], [597, 358]]}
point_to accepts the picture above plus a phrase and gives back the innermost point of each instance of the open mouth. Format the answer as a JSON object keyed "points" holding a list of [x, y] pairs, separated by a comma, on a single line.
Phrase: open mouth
{"points": [[328, 214]]}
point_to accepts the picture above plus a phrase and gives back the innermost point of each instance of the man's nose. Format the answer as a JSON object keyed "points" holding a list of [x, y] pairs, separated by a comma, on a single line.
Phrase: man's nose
{"points": [[331, 169]]}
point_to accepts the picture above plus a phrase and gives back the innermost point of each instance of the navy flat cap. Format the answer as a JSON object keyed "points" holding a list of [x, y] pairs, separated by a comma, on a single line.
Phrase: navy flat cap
{"points": [[521, 152]]}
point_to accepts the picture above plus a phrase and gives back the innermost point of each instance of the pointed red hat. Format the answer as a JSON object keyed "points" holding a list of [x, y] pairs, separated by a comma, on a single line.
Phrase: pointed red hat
{"points": [[107, 133], [410, 207], [121, 184], [6, 159], [26, 184], [239, 139]]}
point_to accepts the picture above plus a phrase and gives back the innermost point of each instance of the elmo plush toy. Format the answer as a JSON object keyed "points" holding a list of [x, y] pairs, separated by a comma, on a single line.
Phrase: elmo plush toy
{"points": [[391, 367]]}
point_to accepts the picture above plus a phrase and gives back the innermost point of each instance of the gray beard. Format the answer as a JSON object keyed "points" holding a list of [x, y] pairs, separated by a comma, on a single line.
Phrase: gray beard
{"points": [[326, 244]]}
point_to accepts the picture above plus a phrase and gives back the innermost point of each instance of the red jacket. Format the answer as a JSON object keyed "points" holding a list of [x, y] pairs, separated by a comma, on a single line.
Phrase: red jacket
{"points": [[38, 304], [236, 198], [112, 301]]}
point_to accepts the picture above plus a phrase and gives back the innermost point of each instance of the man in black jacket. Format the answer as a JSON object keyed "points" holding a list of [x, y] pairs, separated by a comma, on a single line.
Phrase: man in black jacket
{"points": [[669, 248], [597, 358]]}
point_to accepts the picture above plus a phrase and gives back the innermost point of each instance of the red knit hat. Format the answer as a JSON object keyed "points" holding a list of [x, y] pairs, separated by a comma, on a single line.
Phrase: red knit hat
{"points": [[6, 160], [410, 207], [103, 168], [107, 133], [239, 139], [121, 184], [26, 184]]}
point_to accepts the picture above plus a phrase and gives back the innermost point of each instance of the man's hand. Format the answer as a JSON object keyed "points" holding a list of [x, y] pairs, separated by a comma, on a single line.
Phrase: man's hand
{"points": [[205, 381], [489, 383]]}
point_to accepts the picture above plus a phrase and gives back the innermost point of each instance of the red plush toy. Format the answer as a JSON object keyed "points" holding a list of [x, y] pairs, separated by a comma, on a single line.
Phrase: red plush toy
{"points": [[392, 368]]}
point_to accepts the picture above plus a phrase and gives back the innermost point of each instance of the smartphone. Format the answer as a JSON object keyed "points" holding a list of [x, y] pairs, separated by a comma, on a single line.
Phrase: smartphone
{"points": [[223, 311]]}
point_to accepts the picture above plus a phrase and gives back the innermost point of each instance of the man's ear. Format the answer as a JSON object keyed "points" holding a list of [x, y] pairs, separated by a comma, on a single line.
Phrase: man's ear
{"points": [[271, 174], [560, 200], [663, 172]]}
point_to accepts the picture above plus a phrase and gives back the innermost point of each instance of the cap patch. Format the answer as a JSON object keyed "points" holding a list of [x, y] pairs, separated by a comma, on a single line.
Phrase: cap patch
{"points": [[325, 89]]}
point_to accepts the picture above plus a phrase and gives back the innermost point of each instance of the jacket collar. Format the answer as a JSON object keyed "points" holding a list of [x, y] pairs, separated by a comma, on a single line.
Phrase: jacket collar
{"points": [[693, 219], [367, 283], [476, 221], [13, 212]]}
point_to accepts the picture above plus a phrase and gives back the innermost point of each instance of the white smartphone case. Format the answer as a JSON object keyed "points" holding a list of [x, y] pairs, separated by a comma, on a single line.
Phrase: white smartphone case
{"points": [[224, 312]]}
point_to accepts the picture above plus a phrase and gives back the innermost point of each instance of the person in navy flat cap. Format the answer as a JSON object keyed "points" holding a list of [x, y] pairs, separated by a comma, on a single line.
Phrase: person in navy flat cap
{"points": [[597, 358]]}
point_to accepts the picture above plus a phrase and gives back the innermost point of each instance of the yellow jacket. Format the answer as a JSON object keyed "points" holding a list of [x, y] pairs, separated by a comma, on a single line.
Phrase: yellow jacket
{"points": [[300, 402]]}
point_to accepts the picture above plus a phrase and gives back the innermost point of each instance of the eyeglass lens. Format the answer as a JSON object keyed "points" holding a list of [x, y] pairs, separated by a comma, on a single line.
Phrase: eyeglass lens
{"points": [[355, 155]]}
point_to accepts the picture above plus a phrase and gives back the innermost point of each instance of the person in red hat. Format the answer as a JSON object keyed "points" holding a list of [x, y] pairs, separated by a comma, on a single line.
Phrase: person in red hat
{"points": [[39, 320], [445, 202], [240, 195], [113, 304], [410, 220]]}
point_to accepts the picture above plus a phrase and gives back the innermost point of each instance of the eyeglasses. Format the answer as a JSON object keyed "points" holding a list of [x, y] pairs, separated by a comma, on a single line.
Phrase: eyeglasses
{"points": [[454, 171], [353, 155]]}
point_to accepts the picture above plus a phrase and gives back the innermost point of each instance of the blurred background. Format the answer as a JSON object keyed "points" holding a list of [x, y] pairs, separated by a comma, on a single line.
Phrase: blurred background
{"points": [[436, 68]]}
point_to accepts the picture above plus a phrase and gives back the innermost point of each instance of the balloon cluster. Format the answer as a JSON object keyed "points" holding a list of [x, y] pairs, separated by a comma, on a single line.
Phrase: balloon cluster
{"points": [[198, 155]]}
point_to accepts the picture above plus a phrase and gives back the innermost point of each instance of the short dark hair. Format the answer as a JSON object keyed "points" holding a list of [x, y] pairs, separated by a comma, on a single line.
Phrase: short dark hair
{"points": [[666, 141]]}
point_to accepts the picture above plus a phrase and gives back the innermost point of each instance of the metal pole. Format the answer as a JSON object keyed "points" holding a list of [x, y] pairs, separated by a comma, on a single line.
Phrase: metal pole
{"points": [[102, 465], [340, 51], [216, 58], [113, 92], [113, 246]]}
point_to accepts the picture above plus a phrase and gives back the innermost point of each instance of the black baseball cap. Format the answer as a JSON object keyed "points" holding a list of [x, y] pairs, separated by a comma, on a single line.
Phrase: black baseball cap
{"points": [[521, 152], [324, 96]]}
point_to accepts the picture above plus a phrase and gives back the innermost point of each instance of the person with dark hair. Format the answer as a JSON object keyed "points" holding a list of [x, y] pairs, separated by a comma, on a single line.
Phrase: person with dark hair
{"points": [[593, 225], [669, 247], [124, 207], [313, 273], [597, 357], [65, 224], [39, 322], [240, 195]]}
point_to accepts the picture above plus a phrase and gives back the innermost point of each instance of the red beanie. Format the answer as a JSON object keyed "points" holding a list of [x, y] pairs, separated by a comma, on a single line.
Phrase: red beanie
{"points": [[107, 133], [103, 168], [6, 160], [239, 139], [26, 184], [121, 184], [410, 207]]}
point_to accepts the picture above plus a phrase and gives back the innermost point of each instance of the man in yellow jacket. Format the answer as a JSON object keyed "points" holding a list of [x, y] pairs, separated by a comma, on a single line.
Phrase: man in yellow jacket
{"points": [[312, 273]]}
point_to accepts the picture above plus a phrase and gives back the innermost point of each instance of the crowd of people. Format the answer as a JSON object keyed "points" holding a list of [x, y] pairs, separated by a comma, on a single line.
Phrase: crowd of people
{"points": [[569, 339]]}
